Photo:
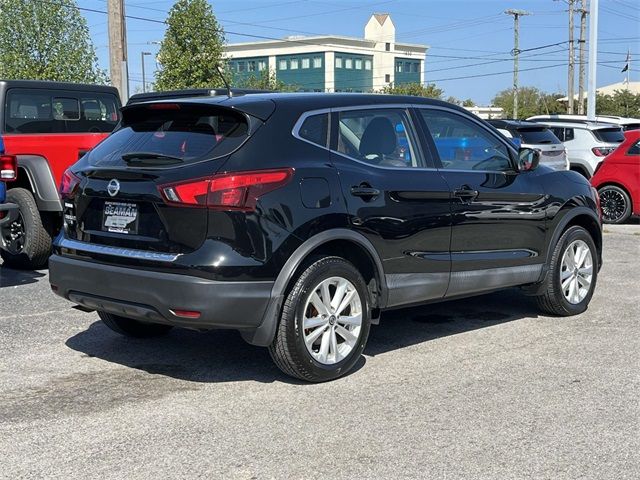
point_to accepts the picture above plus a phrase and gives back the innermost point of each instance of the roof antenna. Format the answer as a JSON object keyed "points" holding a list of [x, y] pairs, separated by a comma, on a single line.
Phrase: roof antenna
{"points": [[224, 80]]}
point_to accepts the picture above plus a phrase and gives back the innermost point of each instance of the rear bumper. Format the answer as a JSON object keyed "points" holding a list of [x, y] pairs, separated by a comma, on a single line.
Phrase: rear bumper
{"points": [[154, 296], [8, 212]]}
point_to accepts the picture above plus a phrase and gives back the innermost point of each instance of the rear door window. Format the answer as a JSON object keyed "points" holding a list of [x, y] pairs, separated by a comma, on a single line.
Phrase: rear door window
{"points": [[537, 136], [634, 149], [609, 135], [56, 111], [171, 134]]}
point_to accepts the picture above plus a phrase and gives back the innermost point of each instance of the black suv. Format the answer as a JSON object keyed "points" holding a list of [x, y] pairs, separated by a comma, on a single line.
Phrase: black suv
{"points": [[297, 218]]}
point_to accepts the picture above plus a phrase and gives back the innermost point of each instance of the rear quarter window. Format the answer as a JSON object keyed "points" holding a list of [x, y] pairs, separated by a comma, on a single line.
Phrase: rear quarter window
{"points": [[315, 129], [634, 149], [55, 111]]}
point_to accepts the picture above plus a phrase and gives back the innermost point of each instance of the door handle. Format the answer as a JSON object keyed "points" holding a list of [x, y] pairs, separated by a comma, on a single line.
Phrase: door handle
{"points": [[465, 193], [365, 191]]}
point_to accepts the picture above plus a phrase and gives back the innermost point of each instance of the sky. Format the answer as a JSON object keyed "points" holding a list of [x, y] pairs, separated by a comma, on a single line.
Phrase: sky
{"points": [[467, 38]]}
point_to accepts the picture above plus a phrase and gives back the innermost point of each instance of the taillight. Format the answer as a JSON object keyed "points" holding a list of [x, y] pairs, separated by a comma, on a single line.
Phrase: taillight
{"points": [[8, 168], [229, 191], [68, 184], [602, 151]]}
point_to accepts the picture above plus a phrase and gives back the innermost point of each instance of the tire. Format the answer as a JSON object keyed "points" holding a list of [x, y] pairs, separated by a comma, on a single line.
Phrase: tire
{"points": [[615, 204], [289, 350], [133, 328], [27, 242], [560, 301]]}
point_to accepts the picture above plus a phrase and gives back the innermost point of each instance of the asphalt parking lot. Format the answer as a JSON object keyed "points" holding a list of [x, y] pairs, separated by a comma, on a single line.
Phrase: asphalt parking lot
{"points": [[481, 388]]}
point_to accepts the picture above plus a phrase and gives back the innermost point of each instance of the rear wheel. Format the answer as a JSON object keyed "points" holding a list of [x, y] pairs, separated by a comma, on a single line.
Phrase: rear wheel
{"points": [[325, 322], [133, 328], [615, 204], [27, 244], [572, 275]]}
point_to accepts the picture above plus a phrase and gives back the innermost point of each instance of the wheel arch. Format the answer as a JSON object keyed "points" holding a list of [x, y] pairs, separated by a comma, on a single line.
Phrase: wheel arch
{"points": [[351, 246], [34, 174]]}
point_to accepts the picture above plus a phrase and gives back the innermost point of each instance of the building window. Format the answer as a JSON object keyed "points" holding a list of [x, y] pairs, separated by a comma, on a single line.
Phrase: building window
{"points": [[241, 67], [348, 63], [387, 47], [387, 78], [317, 62], [283, 65], [251, 66], [367, 64], [293, 64], [358, 64], [407, 67], [399, 67], [306, 62], [338, 62], [415, 67], [261, 65]]}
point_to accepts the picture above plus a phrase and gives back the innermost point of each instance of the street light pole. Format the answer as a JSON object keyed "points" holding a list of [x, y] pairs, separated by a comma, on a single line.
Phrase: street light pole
{"points": [[593, 57], [144, 81]]}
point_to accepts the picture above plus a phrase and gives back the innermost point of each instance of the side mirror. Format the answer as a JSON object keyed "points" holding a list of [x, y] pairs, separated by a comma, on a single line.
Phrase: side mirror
{"points": [[528, 159]]}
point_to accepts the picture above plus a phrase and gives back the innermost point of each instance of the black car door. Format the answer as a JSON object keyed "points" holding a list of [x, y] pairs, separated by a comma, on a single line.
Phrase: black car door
{"points": [[498, 213], [395, 198]]}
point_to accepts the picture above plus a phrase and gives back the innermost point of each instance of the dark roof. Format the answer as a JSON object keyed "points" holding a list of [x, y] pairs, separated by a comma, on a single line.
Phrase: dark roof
{"points": [[303, 101], [45, 84]]}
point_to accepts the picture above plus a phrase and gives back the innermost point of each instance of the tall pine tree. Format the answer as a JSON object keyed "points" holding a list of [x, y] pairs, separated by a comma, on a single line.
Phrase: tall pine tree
{"points": [[191, 48], [46, 41]]}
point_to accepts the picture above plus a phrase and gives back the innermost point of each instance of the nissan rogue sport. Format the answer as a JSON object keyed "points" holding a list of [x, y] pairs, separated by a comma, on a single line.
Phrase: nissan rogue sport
{"points": [[297, 218]]}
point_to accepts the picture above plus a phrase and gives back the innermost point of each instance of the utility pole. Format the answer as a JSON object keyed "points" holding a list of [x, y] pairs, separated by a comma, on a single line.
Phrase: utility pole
{"points": [[593, 58], [582, 41], [515, 52], [118, 70], [571, 79]]}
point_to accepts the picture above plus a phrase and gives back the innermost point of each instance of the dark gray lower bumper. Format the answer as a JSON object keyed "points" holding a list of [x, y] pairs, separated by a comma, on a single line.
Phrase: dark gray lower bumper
{"points": [[151, 296]]}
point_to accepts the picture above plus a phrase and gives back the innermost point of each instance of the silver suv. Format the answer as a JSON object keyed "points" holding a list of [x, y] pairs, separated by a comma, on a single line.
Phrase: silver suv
{"points": [[625, 122], [587, 143], [533, 135]]}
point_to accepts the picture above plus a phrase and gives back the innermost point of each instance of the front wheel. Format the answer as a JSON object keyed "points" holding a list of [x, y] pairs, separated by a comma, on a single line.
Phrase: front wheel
{"points": [[615, 204], [572, 274], [325, 322]]}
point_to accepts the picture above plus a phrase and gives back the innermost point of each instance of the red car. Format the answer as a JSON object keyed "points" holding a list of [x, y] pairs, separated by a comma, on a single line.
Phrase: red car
{"points": [[617, 179], [46, 127]]}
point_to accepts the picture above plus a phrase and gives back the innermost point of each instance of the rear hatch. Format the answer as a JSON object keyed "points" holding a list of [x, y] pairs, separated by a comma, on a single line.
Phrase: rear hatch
{"points": [[118, 201], [552, 151]]}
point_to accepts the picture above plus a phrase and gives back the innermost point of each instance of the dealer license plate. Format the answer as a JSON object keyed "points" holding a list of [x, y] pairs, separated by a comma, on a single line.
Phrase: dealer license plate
{"points": [[120, 217]]}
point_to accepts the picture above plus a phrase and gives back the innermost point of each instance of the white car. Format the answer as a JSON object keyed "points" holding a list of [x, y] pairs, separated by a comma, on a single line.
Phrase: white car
{"points": [[587, 143], [626, 123]]}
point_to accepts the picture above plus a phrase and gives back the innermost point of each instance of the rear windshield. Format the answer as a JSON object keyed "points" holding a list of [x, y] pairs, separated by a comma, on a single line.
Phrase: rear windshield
{"points": [[610, 135], [59, 111], [537, 136], [176, 134]]}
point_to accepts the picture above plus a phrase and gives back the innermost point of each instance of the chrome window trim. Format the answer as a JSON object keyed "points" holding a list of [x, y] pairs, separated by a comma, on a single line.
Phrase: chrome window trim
{"points": [[77, 245], [295, 131]]}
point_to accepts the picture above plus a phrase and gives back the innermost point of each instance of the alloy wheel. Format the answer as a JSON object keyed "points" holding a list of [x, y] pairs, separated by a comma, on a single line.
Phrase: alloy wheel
{"points": [[576, 272], [613, 204], [332, 320], [14, 235]]}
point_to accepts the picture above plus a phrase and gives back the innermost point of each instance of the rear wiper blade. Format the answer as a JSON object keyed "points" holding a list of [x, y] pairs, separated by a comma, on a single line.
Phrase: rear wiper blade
{"points": [[149, 157]]}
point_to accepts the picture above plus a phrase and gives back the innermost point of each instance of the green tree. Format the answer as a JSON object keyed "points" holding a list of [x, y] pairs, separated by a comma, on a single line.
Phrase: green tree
{"points": [[622, 103], [531, 101], [191, 48], [468, 103], [415, 89], [266, 81], [46, 41]]}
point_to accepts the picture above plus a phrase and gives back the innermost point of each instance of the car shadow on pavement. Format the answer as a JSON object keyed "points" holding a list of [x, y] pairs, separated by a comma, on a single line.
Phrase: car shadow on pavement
{"points": [[222, 356], [13, 278]]}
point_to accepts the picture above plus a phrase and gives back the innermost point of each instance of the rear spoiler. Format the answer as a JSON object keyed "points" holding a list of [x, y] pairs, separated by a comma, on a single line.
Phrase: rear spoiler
{"points": [[190, 93]]}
